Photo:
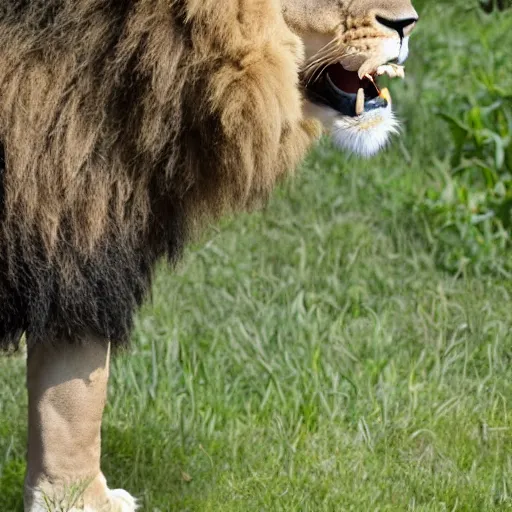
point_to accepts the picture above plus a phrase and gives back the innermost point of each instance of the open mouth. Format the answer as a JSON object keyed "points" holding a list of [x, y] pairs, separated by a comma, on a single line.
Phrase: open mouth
{"points": [[346, 92]]}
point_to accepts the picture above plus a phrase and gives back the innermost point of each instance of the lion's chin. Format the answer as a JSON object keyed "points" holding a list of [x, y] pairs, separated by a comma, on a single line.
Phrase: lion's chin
{"points": [[366, 134]]}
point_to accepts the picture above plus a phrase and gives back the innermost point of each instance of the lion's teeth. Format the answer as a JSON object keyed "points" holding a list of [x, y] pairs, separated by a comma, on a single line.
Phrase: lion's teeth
{"points": [[360, 102], [384, 93], [392, 70]]}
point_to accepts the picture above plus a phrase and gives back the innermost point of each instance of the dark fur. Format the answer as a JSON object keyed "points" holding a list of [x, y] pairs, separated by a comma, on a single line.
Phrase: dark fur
{"points": [[124, 124]]}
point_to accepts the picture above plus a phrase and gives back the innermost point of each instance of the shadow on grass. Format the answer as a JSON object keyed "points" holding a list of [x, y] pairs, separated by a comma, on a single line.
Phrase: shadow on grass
{"points": [[149, 462]]}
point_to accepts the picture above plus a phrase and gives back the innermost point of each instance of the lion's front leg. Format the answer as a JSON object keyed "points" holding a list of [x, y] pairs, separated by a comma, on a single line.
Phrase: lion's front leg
{"points": [[67, 389]]}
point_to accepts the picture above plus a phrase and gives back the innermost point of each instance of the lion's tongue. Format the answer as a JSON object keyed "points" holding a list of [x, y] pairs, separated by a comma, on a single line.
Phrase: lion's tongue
{"points": [[347, 81]]}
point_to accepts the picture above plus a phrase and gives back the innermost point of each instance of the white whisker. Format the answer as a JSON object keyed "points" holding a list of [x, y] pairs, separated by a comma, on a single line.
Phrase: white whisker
{"points": [[326, 56]]}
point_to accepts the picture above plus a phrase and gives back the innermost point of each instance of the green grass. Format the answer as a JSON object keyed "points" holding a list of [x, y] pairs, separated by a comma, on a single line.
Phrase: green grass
{"points": [[313, 356]]}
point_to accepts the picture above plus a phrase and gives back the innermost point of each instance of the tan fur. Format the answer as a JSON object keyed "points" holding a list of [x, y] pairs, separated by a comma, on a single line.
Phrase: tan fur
{"points": [[65, 132], [330, 16], [67, 389], [125, 125], [346, 31]]}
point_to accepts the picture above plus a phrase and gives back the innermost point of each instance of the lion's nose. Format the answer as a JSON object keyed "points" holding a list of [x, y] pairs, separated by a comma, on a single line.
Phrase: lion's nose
{"points": [[403, 26]]}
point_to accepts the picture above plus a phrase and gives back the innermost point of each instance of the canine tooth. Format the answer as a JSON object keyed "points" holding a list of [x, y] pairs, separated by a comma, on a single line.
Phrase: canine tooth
{"points": [[384, 93], [360, 102]]}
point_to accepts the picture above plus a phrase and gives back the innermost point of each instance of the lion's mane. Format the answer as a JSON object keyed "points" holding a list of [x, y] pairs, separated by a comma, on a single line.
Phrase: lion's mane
{"points": [[123, 125]]}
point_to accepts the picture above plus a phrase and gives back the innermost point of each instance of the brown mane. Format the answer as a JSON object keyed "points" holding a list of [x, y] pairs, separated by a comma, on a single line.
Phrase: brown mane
{"points": [[123, 125]]}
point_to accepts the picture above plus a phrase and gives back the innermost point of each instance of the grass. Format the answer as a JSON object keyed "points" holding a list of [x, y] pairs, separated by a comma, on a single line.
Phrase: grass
{"points": [[313, 356]]}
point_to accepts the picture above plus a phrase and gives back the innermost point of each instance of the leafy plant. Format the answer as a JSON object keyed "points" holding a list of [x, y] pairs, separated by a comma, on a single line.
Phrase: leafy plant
{"points": [[468, 209]]}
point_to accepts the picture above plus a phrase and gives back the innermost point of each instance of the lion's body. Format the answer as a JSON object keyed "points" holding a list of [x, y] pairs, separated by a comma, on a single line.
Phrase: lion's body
{"points": [[123, 124]]}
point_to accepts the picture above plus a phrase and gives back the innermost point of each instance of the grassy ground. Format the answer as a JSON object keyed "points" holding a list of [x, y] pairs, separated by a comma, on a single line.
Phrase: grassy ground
{"points": [[313, 357]]}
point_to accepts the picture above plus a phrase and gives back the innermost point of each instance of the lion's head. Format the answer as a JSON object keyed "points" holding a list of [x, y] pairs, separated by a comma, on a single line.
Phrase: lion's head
{"points": [[349, 44]]}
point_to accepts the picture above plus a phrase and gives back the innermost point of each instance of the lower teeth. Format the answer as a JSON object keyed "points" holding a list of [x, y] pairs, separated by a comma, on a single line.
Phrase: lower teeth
{"points": [[360, 102]]}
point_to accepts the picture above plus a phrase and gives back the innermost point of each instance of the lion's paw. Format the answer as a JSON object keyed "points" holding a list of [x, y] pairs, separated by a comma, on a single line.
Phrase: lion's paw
{"points": [[113, 500], [118, 500], [122, 501], [96, 497]]}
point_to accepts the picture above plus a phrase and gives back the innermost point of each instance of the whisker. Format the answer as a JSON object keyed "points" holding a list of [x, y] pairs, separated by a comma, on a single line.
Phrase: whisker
{"points": [[326, 56], [312, 73]]}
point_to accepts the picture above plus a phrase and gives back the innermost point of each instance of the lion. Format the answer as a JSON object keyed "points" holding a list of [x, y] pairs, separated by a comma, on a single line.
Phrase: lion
{"points": [[125, 126]]}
